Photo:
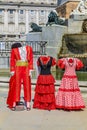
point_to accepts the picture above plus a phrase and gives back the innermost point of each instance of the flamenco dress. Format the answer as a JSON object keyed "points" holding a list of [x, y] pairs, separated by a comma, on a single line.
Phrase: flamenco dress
{"points": [[69, 96], [44, 97]]}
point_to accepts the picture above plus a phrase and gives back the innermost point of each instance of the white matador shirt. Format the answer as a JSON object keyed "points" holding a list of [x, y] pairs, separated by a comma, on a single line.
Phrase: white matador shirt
{"points": [[23, 53]]}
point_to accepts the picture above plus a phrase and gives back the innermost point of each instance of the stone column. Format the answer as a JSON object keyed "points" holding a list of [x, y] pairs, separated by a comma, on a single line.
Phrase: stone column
{"points": [[46, 16], [6, 20], [48, 1], [27, 21], [16, 21], [37, 17]]}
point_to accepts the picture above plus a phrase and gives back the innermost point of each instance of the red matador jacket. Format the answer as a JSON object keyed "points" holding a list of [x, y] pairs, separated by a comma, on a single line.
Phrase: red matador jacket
{"points": [[21, 74], [15, 56]]}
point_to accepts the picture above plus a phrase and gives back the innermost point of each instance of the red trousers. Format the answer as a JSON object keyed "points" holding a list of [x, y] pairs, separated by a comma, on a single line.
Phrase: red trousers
{"points": [[21, 76]]}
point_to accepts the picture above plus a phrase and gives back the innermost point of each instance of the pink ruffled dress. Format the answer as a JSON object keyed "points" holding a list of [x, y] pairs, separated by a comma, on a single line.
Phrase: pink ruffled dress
{"points": [[69, 95]]}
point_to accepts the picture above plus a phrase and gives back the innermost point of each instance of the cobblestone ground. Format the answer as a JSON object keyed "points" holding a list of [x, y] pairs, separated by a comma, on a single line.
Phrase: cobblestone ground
{"points": [[41, 119]]}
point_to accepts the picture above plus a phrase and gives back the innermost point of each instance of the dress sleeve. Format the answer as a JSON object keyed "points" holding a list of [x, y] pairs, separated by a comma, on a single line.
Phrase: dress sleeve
{"points": [[61, 63], [53, 61], [79, 64]]}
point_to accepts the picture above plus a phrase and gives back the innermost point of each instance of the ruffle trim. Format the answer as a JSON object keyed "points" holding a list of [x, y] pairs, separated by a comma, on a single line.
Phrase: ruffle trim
{"points": [[69, 76], [45, 79], [69, 90], [45, 89], [44, 106], [70, 107], [44, 98], [46, 101]]}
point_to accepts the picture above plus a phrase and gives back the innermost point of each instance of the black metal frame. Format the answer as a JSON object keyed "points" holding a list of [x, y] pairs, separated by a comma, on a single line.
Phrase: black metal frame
{"points": [[39, 47]]}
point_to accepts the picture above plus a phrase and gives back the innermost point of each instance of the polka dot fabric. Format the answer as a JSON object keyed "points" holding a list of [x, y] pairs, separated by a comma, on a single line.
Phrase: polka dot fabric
{"points": [[69, 95]]}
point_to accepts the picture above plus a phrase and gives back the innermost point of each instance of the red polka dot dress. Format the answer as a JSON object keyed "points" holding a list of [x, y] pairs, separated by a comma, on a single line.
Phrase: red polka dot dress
{"points": [[69, 95], [44, 97]]}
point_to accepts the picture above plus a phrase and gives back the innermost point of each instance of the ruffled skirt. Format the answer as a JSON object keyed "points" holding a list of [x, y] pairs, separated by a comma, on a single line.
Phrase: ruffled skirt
{"points": [[44, 97], [69, 95]]}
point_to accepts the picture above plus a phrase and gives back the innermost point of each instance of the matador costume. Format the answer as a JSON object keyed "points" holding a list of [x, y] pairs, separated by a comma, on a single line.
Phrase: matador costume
{"points": [[21, 62]]}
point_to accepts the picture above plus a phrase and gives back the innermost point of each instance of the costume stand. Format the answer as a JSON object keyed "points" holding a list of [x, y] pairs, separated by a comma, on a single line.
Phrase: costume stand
{"points": [[21, 62], [45, 90], [69, 96]]}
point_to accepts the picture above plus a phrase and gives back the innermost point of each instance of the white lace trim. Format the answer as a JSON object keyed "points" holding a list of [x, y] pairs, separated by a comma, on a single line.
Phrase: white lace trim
{"points": [[23, 53]]}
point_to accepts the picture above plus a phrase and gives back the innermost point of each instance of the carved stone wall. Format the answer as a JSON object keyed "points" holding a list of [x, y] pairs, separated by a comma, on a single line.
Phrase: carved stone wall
{"points": [[32, 1], [16, 16], [65, 9]]}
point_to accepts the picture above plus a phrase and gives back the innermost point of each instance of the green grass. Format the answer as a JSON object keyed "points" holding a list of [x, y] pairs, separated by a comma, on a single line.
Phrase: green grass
{"points": [[4, 72], [57, 73], [82, 76]]}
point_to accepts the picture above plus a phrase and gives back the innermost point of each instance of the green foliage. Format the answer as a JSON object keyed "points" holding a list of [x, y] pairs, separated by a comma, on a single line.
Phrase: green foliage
{"points": [[57, 73], [82, 75], [4, 72]]}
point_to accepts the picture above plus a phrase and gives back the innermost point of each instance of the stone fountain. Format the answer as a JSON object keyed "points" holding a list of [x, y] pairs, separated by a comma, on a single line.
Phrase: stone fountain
{"points": [[74, 43]]}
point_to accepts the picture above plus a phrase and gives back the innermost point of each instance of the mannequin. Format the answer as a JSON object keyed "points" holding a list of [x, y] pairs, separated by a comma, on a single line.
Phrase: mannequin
{"points": [[44, 97], [21, 65], [69, 96]]}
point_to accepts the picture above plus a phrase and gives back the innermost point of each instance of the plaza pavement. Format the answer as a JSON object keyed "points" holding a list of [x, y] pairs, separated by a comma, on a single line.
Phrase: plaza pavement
{"points": [[41, 119]]}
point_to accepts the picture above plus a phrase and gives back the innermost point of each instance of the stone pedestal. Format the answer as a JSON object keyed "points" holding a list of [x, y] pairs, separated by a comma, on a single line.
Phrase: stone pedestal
{"points": [[53, 35], [75, 22], [34, 36]]}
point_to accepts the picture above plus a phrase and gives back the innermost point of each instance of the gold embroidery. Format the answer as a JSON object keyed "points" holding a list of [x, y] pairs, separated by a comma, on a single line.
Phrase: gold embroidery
{"points": [[21, 63]]}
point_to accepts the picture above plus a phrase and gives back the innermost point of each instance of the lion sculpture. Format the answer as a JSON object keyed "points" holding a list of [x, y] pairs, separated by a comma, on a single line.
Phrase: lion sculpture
{"points": [[35, 27], [54, 19]]}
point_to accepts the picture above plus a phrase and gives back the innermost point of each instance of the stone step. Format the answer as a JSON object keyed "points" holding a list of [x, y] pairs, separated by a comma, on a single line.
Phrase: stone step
{"points": [[4, 84]]}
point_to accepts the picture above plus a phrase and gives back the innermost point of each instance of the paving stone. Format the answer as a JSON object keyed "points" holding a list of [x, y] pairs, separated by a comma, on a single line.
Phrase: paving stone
{"points": [[41, 119]]}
